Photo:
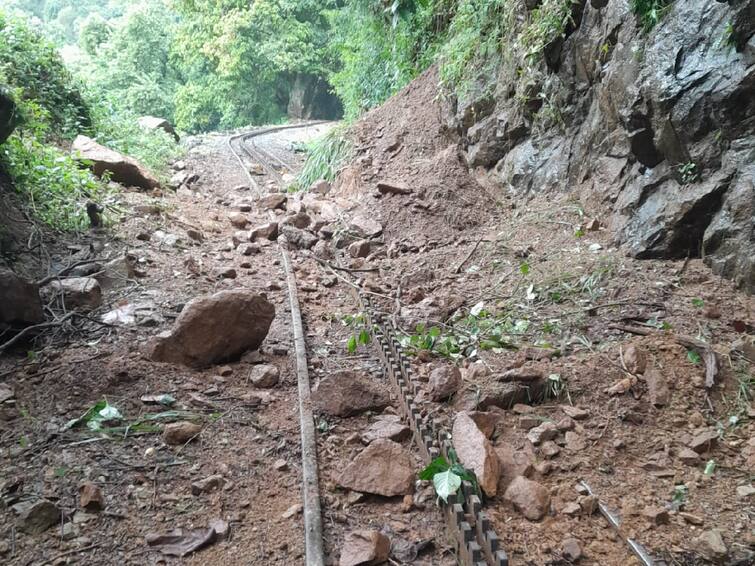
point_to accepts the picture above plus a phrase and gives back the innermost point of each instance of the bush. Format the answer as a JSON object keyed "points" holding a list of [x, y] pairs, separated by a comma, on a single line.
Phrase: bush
{"points": [[324, 158], [650, 12]]}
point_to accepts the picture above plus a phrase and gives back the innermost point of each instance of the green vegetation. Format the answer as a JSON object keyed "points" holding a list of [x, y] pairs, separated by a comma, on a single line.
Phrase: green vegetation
{"points": [[324, 157], [650, 12]]}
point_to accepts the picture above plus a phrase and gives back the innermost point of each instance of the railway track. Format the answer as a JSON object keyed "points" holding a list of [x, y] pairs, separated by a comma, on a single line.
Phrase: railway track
{"points": [[468, 526], [475, 543]]}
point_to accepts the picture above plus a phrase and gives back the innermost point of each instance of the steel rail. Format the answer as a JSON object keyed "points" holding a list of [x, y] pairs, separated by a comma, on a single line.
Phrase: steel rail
{"points": [[313, 540]]}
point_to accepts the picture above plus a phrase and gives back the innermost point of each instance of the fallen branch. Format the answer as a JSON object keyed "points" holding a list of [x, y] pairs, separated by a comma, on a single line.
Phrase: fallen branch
{"points": [[469, 255], [706, 352], [65, 271], [29, 329]]}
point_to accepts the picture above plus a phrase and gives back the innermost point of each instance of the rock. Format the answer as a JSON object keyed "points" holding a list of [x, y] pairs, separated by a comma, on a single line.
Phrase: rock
{"points": [[272, 202], [208, 484], [691, 519], [238, 219], [485, 421], [264, 375], [266, 231], [360, 248], [589, 504], [513, 463], [575, 413], [69, 531], [299, 239], [393, 188], [383, 468], [364, 547], [390, 429], [154, 123], [9, 116], [226, 273], [281, 465], [476, 453], [711, 545], [295, 509], [528, 497], [656, 515], [635, 359], [300, 220], [123, 169], [704, 441], [322, 250], [76, 292], [90, 497], [657, 388], [180, 432], [365, 226], [321, 187], [572, 509], [20, 302], [347, 393], [444, 382], [36, 517], [248, 249], [689, 457], [745, 491], [549, 449], [571, 549], [543, 432], [574, 441], [222, 528], [214, 329], [527, 422]]}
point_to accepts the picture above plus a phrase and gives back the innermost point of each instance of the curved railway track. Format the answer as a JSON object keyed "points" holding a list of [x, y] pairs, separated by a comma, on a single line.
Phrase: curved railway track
{"points": [[468, 526]]}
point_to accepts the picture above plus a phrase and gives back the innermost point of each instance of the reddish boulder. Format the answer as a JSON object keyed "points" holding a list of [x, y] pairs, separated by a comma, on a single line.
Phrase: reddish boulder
{"points": [[123, 169]]}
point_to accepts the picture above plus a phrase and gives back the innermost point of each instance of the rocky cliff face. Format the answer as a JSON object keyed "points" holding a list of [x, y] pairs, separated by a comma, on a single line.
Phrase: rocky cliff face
{"points": [[7, 115], [656, 126]]}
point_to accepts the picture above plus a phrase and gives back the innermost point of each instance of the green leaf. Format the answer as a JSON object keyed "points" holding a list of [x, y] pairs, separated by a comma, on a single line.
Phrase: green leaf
{"points": [[364, 337], [524, 268], [434, 332], [699, 303], [446, 483], [435, 467], [694, 357], [351, 345]]}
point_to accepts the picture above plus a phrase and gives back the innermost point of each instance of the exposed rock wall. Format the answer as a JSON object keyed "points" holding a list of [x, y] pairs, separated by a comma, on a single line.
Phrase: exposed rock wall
{"points": [[7, 115], [658, 127], [310, 98]]}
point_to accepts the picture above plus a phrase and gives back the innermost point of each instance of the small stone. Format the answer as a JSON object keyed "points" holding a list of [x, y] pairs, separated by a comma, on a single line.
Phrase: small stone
{"points": [[389, 429], [208, 484], [364, 547], [264, 375], [291, 511], [704, 442], [549, 449], [227, 273], [248, 249], [572, 509], [281, 465], [408, 503], [574, 441], [697, 419], [221, 528], [180, 432], [575, 413], [90, 497], [657, 388], [522, 409], [588, 503], [571, 549], [543, 432], [691, 519], [656, 515], [238, 220], [745, 491], [365, 226], [69, 531], [529, 497], [272, 201], [635, 359], [711, 545], [268, 231], [360, 248], [444, 382], [225, 371], [393, 188], [528, 422], [689, 457], [36, 517], [383, 468]]}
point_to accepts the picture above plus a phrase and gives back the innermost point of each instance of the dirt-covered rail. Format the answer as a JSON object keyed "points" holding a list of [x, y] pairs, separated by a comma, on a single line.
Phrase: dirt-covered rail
{"points": [[314, 554]]}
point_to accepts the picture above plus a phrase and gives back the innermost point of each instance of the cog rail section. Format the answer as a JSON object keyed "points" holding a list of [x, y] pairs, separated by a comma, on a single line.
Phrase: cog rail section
{"points": [[313, 542], [475, 541]]}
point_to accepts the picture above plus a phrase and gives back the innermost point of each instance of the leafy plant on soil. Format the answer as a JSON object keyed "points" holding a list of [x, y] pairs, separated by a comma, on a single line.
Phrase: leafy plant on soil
{"points": [[102, 417], [324, 158], [362, 335], [446, 476]]}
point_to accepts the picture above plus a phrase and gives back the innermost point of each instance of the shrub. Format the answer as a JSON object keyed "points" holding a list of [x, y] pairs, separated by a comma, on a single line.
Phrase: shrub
{"points": [[650, 12], [324, 157]]}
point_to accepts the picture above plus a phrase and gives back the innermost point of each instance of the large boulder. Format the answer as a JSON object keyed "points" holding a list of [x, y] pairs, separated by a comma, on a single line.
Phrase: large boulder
{"points": [[383, 468], [19, 300], [123, 169], [214, 329], [8, 115], [154, 123], [76, 292], [347, 393], [476, 452]]}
